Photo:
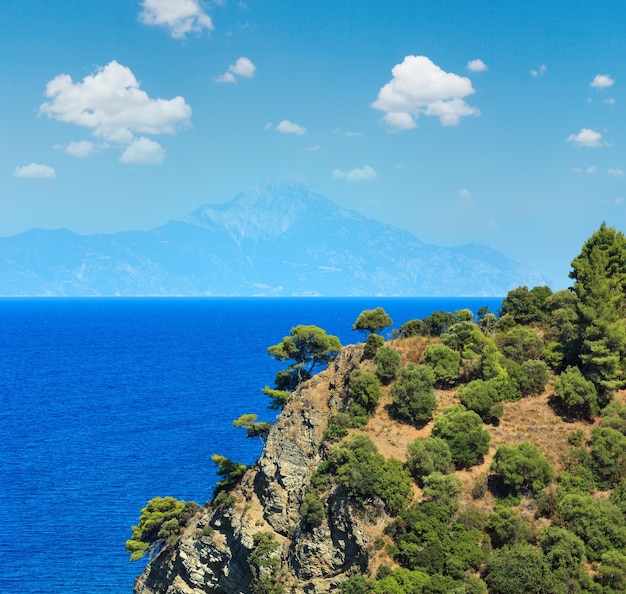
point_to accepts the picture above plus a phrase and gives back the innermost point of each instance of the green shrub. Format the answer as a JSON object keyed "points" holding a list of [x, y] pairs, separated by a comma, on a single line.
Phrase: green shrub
{"points": [[521, 467], [160, 523], [463, 430], [533, 377], [338, 425], [364, 389], [481, 396], [413, 395], [372, 344], [614, 416], [387, 361], [445, 363], [607, 448], [365, 473], [413, 328], [427, 456], [576, 394], [505, 527], [311, 511], [520, 569], [599, 523], [520, 344]]}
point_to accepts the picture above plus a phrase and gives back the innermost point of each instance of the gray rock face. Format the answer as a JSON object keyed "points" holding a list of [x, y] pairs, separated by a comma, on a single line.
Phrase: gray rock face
{"points": [[271, 240], [268, 500]]}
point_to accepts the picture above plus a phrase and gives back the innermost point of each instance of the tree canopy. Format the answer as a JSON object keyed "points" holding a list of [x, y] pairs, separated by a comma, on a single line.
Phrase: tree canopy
{"points": [[307, 347], [372, 320]]}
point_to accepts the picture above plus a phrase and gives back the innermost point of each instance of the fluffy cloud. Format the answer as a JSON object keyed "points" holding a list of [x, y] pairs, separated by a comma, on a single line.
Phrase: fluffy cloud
{"points": [[179, 16], [112, 105], [242, 67], [476, 66], [80, 149], [360, 174], [420, 87], [587, 138], [287, 127], [615, 171], [539, 71], [602, 81], [35, 170], [143, 151]]}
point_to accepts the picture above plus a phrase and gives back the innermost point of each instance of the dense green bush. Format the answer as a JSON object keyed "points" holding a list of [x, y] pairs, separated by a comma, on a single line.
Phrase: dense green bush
{"points": [[505, 527], [599, 523], [445, 363], [614, 416], [427, 456], [311, 511], [387, 361], [438, 322], [565, 553], [160, 523], [413, 328], [520, 344], [576, 394], [372, 344], [465, 338], [481, 397], [364, 389], [356, 463], [463, 430], [413, 395], [533, 377], [607, 448], [520, 569], [521, 467]]}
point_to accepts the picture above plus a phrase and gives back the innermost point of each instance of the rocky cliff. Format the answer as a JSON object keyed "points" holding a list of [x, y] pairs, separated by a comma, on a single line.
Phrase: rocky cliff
{"points": [[212, 554]]}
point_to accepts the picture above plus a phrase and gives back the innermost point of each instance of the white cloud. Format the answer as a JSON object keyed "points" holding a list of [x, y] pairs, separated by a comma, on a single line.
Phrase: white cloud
{"points": [[143, 151], [609, 101], [35, 170], [80, 149], [602, 81], [113, 106], [179, 16], [287, 127], [476, 66], [619, 201], [350, 134], [242, 67], [615, 171], [360, 174], [227, 78], [314, 148], [586, 138], [590, 170], [539, 71], [420, 87]]}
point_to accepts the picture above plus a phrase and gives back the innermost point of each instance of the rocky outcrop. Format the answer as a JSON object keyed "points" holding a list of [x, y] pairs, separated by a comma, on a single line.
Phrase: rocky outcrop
{"points": [[212, 554]]}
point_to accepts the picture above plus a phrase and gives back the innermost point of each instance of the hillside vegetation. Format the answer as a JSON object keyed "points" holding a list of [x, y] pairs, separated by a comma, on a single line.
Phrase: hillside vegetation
{"points": [[477, 451]]}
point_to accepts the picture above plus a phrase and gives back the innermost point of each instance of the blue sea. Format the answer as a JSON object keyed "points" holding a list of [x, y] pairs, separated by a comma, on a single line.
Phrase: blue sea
{"points": [[106, 403]]}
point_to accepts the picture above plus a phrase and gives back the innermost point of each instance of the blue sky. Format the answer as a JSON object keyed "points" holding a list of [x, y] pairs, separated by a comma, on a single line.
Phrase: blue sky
{"points": [[501, 123]]}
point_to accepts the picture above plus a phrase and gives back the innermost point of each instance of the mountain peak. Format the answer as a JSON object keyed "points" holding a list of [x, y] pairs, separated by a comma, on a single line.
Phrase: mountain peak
{"points": [[263, 211]]}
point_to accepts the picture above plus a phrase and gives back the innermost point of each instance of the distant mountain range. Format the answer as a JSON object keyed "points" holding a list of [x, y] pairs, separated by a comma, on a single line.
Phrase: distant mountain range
{"points": [[271, 240]]}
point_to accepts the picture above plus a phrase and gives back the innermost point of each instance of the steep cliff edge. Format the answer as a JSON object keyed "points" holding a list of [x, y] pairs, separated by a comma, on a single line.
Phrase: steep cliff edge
{"points": [[212, 554]]}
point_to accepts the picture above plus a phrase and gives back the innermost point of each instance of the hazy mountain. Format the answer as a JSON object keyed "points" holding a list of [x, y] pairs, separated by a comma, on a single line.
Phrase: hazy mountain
{"points": [[275, 239]]}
